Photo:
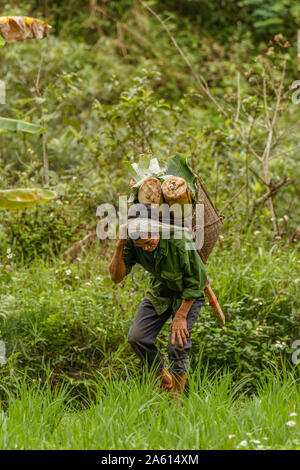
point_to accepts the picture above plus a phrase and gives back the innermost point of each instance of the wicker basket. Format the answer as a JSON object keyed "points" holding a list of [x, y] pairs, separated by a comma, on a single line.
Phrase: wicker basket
{"points": [[213, 221]]}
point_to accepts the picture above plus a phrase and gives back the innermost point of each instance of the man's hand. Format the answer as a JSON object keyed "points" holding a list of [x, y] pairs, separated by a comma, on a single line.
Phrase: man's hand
{"points": [[179, 323], [179, 329]]}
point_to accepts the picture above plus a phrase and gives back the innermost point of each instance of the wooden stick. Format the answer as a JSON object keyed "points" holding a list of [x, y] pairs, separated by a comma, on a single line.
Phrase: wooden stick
{"points": [[213, 302]]}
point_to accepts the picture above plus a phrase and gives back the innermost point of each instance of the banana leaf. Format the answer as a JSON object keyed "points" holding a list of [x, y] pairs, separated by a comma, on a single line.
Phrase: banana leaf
{"points": [[14, 125], [177, 166], [145, 167], [21, 198]]}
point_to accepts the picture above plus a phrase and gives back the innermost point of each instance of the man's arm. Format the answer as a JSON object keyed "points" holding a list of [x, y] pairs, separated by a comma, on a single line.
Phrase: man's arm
{"points": [[117, 267], [179, 324], [194, 282]]}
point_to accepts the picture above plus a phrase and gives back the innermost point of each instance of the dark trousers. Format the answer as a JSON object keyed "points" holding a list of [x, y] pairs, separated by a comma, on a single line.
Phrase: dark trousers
{"points": [[145, 328]]}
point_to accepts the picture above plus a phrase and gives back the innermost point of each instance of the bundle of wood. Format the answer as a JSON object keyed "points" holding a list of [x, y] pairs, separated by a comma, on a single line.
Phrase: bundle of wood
{"points": [[182, 190]]}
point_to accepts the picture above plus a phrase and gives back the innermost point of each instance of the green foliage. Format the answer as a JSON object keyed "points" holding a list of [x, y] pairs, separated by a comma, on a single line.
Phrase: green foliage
{"points": [[124, 414], [13, 125], [272, 17], [37, 232], [225, 18], [21, 198]]}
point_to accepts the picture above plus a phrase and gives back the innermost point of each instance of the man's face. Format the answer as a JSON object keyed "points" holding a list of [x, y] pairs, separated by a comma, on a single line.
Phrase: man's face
{"points": [[147, 244]]}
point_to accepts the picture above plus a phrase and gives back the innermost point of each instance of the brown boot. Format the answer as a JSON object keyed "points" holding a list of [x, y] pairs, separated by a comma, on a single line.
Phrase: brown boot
{"points": [[179, 382], [166, 382]]}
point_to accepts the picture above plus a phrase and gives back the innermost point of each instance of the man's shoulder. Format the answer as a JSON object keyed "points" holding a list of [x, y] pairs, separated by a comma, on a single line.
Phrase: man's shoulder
{"points": [[180, 240], [129, 244]]}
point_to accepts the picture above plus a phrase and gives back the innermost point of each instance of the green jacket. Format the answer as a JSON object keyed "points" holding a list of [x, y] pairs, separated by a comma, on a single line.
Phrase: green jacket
{"points": [[177, 273]]}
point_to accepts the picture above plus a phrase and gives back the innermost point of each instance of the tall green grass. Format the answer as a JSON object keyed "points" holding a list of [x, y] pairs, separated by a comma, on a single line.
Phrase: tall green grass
{"points": [[130, 414]]}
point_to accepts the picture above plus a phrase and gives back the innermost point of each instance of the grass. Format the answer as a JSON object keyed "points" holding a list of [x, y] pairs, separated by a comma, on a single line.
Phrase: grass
{"points": [[130, 414]]}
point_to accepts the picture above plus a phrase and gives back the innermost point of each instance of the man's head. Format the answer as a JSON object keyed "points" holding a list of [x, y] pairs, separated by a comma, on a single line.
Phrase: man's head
{"points": [[144, 232], [147, 242]]}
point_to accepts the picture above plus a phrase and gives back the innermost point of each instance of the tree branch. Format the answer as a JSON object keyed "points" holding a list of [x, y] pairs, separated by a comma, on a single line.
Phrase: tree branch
{"points": [[272, 191]]}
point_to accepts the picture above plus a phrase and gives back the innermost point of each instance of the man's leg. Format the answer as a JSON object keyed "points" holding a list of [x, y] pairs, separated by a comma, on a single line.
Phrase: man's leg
{"points": [[179, 356], [142, 335]]}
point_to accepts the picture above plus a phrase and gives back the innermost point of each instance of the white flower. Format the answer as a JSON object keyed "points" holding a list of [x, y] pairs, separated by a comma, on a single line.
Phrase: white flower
{"points": [[279, 344], [243, 443], [291, 423], [255, 441], [256, 232], [87, 283], [293, 414], [296, 280], [98, 278], [231, 436], [68, 272], [76, 277]]}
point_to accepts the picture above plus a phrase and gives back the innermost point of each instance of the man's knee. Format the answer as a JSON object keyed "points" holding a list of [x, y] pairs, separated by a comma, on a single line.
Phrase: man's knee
{"points": [[136, 337], [133, 336]]}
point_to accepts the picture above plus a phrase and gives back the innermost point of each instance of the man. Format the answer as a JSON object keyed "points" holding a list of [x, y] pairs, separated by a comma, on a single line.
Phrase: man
{"points": [[178, 279]]}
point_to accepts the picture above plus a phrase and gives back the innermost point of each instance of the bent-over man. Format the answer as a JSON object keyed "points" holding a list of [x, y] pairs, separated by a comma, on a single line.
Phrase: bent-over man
{"points": [[177, 282]]}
